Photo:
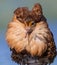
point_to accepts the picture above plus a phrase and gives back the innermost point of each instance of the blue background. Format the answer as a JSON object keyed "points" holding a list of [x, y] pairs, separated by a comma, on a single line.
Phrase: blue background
{"points": [[6, 12]]}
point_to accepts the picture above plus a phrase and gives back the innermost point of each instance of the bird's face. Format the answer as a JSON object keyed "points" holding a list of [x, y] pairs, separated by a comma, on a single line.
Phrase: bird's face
{"points": [[28, 22], [29, 25], [29, 18], [23, 16]]}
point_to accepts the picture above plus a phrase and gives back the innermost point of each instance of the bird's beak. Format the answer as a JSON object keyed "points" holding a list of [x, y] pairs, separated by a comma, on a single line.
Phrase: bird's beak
{"points": [[29, 30]]}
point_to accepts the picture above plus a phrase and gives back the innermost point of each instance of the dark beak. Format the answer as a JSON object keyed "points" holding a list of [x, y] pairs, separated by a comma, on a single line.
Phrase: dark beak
{"points": [[29, 31]]}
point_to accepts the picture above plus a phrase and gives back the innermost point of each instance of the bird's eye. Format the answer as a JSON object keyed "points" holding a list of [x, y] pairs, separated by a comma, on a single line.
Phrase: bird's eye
{"points": [[33, 23]]}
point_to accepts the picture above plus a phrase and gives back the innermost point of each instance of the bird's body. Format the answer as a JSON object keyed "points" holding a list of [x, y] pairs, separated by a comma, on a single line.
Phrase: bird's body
{"points": [[27, 33]]}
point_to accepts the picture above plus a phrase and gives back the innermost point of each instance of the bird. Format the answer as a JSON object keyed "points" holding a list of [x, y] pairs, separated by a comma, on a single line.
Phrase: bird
{"points": [[28, 34]]}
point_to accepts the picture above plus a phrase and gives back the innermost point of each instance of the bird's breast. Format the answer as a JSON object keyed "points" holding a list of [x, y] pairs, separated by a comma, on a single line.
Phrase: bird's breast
{"points": [[21, 38]]}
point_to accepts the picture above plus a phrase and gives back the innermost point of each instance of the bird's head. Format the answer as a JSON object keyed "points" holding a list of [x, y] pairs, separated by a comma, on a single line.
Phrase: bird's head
{"points": [[23, 15], [29, 18]]}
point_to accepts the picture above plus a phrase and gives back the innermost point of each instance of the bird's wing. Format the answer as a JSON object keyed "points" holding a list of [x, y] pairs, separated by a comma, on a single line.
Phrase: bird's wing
{"points": [[51, 50], [16, 36], [39, 39]]}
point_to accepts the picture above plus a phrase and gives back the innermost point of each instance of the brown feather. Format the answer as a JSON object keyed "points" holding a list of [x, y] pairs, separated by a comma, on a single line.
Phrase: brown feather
{"points": [[28, 31]]}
